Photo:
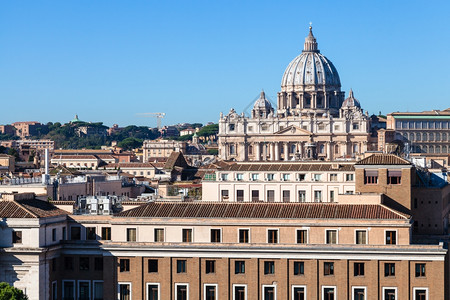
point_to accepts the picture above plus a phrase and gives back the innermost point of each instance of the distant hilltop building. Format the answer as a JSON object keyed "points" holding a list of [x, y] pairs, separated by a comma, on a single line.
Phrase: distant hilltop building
{"points": [[313, 120]]}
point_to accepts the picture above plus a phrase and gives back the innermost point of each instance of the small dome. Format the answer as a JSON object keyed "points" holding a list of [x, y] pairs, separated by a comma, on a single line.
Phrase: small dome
{"points": [[262, 103], [310, 68], [351, 101]]}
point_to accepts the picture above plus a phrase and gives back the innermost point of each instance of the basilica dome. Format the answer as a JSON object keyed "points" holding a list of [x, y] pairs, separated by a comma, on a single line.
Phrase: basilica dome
{"points": [[310, 68], [351, 101]]}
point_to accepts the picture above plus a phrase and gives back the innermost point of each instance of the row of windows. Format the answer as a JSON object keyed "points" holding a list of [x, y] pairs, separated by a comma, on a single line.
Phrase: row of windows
{"points": [[426, 136], [422, 125], [331, 235], [393, 177], [286, 195], [82, 291], [239, 292], [285, 177], [81, 263]]}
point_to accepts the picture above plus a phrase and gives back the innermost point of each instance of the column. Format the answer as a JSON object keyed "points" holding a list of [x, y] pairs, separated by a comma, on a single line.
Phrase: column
{"points": [[272, 151], [257, 151], [277, 151], [328, 150], [286, 151]]}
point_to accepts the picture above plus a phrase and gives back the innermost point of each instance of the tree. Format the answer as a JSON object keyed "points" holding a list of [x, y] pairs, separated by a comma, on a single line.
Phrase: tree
{"points": [[130, 143], [8, 292]]}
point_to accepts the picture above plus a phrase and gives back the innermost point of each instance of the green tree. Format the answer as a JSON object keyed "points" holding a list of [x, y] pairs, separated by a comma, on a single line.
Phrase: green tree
{"points": [[212, 129], [8, 292], [130, 143]]}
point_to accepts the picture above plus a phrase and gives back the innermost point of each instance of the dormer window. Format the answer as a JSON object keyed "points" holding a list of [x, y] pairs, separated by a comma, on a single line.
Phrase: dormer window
{"points": [[231, 127]]}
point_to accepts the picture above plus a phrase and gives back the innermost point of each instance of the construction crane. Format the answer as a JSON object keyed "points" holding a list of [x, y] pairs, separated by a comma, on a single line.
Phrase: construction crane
{"points": [[157, 115]]}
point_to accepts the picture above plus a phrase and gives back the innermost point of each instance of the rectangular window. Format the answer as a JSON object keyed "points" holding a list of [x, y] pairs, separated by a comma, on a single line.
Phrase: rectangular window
{"points": [[210, 292], [54, 234], [124, 265], [270, 177], [272, 236], [131, 234], [90, 233], [239, 267], [329, 293], [210, 266], [239, 292], [84, 288], [17, 237], [286, 196], [301, 196], [299, 268], [187, 235], [124, 291], [302, 236], [68, 263], [269, 293], [298, 293], [239, 177], [358, 269], [224, 194], [389, 294], [240, 195], [359, 293], [389, 269], [317, 196], [64, 233], [181, 292], [331, 236], [391, 237], [159, 235], [255, 195], [394, 177], [301, 177], [84, 263], [68, 291], [286, 177], [370, 176], [333, 177], [317, 177], [270, 196], [328, 268], [361, 237], [224, 177], [215, 236], [420, 270], [75, 233], [420, 294], [153, 291], [255, 177], [54, 290], [331, 196], [98, 263], [181, 266], [106, 233], [153, 266], [244, 235], [269, 267], [348, 177]]}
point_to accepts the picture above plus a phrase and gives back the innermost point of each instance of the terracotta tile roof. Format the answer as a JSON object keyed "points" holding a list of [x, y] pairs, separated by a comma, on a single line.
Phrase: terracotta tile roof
{"points": [[82, 151], [289, 167], [131, 165], [83, 157], [263, 211], [29, 209], [383, 159]]}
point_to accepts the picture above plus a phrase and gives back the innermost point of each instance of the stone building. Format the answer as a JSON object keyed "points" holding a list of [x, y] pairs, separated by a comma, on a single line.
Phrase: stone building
{"points": [[313, 120]]}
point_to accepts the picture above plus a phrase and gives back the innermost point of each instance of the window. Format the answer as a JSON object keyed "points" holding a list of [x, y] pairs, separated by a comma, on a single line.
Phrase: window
{"points": [[361, 237], [299, 268], [272, 236], [331, 236], [181, 291], [153, 291], [286, 196], [131, 234], [215, 235], [210, 266], [124, 291], [98, 263], [187, 235], [181, 266], [420, 293], [270, 196], [17, 237], [302, 236], [239, 177], [240, 195], [231, 127], [358, 269], [211, 292], [224, 194], [232, 149], [124, 265], [389, 269], [106, 233], [255, 195], [255, 177], [331, 196], [328, 268], [270, 177], [90, 233], [269, 267], [286, 177], [394, 177], [68, 290], [301, 196], [355, 126], [75, 233], [239, 267], [333, 177], [153, 266], [301, 177], [68, 263], [389, 293], [359, 293], [84, 288], [371, 177], [420, 270], [54, 290], [64, 234], [54, 234], [239, 292], [317, 177], [244, 235], [391, 237], [224, 177], [348, 177], [269, 292], [317, 196], [159, 235], [298, 292], [328, 293]]}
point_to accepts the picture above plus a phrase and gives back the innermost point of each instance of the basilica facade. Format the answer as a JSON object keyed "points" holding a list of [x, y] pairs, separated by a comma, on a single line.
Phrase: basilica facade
{"points": [[313, 119]]}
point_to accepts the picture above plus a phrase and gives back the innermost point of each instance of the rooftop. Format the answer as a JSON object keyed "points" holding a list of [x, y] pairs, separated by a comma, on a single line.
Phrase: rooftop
{"points": [[383, 159]]}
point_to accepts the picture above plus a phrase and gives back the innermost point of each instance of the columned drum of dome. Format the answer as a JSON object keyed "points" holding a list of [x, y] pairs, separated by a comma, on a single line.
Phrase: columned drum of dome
{"points": [[310, 83]]}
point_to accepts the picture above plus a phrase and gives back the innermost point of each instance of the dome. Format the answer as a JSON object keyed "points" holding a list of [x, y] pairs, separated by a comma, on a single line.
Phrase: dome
{"points": [[310, 68], [351, 101], [262, 103]]}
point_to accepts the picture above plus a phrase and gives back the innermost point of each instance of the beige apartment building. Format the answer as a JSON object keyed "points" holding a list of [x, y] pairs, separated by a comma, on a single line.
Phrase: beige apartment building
{"points": [[161, 148]]}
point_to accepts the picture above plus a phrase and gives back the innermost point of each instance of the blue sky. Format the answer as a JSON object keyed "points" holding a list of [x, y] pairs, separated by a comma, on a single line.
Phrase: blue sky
{"points": [[110, 60]]}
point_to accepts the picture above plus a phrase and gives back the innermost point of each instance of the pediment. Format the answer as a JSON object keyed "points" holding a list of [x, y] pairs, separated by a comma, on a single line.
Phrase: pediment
{"points": [[290, 130]]}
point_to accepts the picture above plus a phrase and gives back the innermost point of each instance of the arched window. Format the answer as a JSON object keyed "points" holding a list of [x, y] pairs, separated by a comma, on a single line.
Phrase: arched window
{"points": [[438, 149], [336, 149], [438, 137], [418, 137], [431, 136], [424, 137], [431, 149], [444, 149], [444, 137]]}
